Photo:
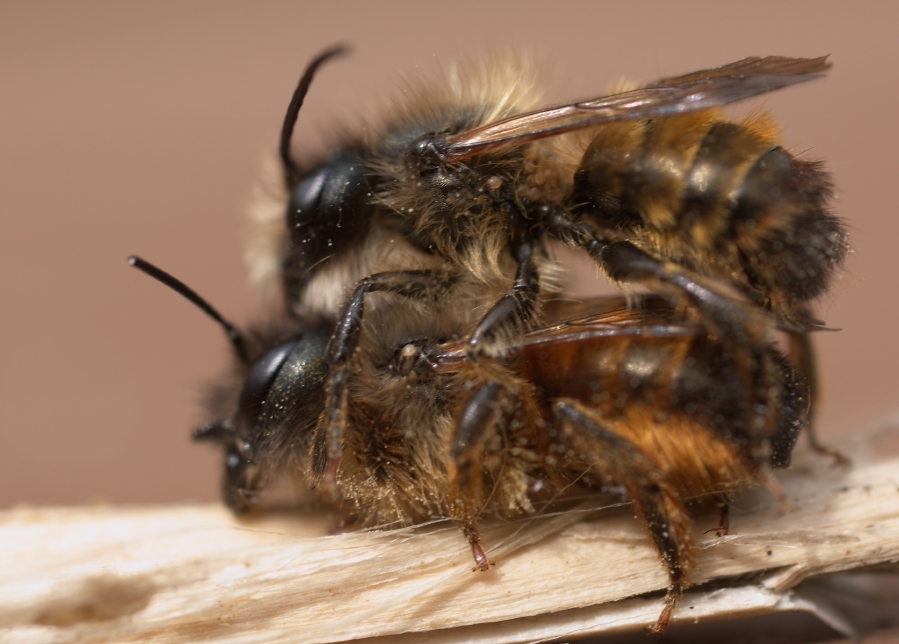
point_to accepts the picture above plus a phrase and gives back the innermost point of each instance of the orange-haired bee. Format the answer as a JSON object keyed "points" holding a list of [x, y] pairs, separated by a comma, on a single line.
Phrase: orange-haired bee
{"points": [[635, 396], [458, 193]]}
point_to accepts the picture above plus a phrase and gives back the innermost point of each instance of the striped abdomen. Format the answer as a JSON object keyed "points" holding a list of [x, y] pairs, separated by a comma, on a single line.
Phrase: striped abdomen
{"points": [[721, 198], [646, 384]]}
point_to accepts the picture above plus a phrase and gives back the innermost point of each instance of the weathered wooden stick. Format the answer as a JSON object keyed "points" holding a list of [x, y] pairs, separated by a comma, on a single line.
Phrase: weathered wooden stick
{"points": [[193, 572]]}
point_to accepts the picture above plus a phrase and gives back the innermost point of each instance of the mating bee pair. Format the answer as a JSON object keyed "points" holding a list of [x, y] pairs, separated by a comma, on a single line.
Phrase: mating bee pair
{"points": [[423, 363]]}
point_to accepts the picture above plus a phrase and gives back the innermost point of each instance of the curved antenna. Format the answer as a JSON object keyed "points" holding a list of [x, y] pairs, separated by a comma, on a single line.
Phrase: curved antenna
{"points": [[234, 334], [291, 171]]}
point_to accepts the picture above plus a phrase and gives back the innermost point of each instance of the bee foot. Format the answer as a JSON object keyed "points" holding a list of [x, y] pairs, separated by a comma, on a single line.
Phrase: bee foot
{"points": [[482, 563]]}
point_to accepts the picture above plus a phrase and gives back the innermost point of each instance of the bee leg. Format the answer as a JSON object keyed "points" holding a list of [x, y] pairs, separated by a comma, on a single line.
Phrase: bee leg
{"points": [[745, 327], [723, 518], [481, 562], [760, 377], [418, 285], [515, 309], [625, 263], [659, 508], [803, 355], [477, 422]]}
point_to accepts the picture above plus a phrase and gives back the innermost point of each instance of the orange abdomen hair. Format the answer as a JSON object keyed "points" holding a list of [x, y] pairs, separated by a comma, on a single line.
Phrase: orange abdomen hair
{"points": [[646, 385]]}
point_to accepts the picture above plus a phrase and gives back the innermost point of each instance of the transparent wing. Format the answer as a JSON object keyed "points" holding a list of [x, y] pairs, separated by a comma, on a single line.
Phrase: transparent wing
{"points": [[583, 320], [677, 95]]}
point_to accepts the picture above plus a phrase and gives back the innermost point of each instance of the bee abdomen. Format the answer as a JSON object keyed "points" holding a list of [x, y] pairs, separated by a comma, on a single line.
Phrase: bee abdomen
{"points": [[783, 229], [720, 197], [672, 174]]}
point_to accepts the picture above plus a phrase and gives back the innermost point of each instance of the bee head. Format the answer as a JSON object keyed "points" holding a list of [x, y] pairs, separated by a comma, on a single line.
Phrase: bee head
{"points": [[282, 385], [328, 209], [328, 213]]}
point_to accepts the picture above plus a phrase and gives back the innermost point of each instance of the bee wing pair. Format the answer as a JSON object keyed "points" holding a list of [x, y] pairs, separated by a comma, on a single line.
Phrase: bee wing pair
{"points": [[688, 93]]}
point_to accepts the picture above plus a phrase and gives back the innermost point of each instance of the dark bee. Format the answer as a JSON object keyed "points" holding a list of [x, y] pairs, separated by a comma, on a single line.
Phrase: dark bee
{"points": [[634, 396], [458, 195]]}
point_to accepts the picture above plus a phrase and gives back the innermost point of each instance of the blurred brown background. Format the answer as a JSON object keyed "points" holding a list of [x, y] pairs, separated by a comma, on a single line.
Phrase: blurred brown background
{"points": [[139, 128]]}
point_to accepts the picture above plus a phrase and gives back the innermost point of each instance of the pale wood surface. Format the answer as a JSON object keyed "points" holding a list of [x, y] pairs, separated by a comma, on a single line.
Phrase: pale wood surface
{"points": [[192, 572]]}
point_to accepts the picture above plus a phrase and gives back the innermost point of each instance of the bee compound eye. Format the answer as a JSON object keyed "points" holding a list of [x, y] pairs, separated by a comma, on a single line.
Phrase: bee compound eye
{"points": [[261, 378], [329, 212], [286, 378], [307, 194]]}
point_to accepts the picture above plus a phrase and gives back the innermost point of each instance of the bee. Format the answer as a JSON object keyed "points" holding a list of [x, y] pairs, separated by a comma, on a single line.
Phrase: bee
{"points": [[460, 193], [619, 395], [421, 363]]}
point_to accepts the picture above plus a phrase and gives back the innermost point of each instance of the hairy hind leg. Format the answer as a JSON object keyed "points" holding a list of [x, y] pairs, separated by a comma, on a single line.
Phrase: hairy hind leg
{"points": [[476, 426], [658, 507], [497, 418]]}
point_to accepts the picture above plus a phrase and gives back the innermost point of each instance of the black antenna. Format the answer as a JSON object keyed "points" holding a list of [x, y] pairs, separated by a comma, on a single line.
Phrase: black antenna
{"points": [[234, 335], [291, 171]]}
